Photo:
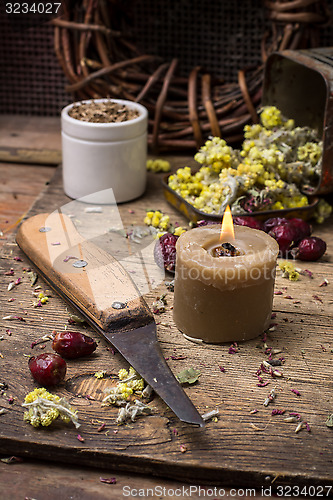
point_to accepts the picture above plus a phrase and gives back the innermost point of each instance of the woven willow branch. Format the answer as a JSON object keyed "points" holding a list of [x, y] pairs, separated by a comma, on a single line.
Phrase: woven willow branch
{"points": [[99, 61]]}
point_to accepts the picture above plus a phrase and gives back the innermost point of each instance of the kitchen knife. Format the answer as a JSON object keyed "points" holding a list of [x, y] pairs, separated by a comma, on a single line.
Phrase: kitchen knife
{"points": [[99, 288]]}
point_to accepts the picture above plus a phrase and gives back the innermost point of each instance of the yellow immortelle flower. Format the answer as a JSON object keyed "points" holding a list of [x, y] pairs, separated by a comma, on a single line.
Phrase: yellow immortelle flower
{"points": [[323, 211], [158, 165], [125, 390], [129, 382], [310, 151], [276, 160], [148, 218], [215, 153], [271, 117], [40, 393], [157, 220], [123, 374], [179, 230], [289, 271], [44, 408]]}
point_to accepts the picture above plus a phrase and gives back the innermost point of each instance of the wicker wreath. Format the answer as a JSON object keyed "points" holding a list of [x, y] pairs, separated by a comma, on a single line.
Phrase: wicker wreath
{"points": [[100, 61]]}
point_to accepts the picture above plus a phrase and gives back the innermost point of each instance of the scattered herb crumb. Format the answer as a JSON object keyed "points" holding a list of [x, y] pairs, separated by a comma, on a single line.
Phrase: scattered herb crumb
{"points": [[131, 411], [11, 460], [13, 317], [74, 318], [270, 398], [278, 412], [233, 348], [159, 304], [329, 421], [210, 415], [108, 480]]}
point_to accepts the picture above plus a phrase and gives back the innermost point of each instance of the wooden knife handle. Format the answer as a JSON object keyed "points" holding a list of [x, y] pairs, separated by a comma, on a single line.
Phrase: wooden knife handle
{"points": [[101, 289]]}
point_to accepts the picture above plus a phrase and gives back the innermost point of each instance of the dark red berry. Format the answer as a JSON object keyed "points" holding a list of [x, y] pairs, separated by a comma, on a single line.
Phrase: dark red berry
{"points": [[274, 221], [304, 229], [311, 248], [201, 223], [248, 222], [47, 369], [286, 236], [165, 252], [73, 345]]}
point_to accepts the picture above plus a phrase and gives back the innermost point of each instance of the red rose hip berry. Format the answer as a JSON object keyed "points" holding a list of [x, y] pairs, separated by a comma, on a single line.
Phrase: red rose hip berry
{"points": [[311, 248], [274, 221], [304, 229], [72, 345], [286, 236], [47, 369], [248, 222], [165, 252]]}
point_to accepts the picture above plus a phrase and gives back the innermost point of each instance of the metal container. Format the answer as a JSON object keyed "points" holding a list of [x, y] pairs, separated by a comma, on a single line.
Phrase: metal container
{"points": [[300, 84], [195, 215]]}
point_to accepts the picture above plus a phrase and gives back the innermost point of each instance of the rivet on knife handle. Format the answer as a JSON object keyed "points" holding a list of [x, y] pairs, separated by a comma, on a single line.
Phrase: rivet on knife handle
{"points": [[104, 293]]}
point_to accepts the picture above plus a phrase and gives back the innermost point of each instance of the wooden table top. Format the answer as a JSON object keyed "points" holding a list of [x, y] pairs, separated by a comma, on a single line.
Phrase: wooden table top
{"points": [[246, 447]]}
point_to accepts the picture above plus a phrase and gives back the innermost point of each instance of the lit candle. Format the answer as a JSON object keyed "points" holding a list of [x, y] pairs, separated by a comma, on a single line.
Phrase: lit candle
{"points": [[224, 282]]}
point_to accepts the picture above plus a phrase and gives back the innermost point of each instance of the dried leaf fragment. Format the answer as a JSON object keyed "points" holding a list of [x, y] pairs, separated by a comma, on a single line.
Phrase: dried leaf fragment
{"points": [[188, 376], [329, 421]]}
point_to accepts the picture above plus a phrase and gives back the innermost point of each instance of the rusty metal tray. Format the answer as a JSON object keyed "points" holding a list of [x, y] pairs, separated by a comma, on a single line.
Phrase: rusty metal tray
{"points": [[300, 84], [194, 215]]}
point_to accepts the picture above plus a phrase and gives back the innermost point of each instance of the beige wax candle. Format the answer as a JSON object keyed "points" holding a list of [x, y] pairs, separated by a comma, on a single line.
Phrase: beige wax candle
{"points": [[223, 299]]}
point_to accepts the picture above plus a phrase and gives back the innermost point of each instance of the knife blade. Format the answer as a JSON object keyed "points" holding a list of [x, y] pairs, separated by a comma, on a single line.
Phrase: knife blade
{"points": [[94, 283]]}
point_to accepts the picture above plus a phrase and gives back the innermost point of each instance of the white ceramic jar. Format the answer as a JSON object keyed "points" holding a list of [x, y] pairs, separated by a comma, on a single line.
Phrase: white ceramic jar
{"points": [[97, 157]]}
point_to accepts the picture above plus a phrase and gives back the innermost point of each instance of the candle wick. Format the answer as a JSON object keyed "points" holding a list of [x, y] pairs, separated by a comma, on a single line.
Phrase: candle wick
{"points": [[226, 250]]}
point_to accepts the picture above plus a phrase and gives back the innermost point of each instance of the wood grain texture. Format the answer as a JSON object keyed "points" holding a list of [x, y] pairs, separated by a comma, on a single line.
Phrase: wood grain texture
{"points": [[242, 448], [25, 139], [20, 185], [32, 479], [30, 132]]}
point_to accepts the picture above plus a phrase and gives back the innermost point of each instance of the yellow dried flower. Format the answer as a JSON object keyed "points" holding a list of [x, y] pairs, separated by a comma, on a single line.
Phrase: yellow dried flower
{"points": [[271, 117], [179, 230], [289, 271], [158, 165], [44, 408], [123, 374]]}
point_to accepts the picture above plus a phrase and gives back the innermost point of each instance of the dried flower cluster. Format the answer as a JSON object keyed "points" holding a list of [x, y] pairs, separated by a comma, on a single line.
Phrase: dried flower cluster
{"points": [[130, 383], [43, 408], [161, 223], [276, 162]]}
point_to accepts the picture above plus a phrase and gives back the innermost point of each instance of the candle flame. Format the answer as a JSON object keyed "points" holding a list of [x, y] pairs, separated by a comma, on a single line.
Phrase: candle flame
{"points": [[227, 229]]}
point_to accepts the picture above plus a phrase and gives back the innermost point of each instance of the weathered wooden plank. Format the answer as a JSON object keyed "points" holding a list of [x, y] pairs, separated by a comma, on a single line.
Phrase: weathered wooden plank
{"points": [[242, 447], [19, 187], [34, 132], [32, 480], [30, 155]]}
